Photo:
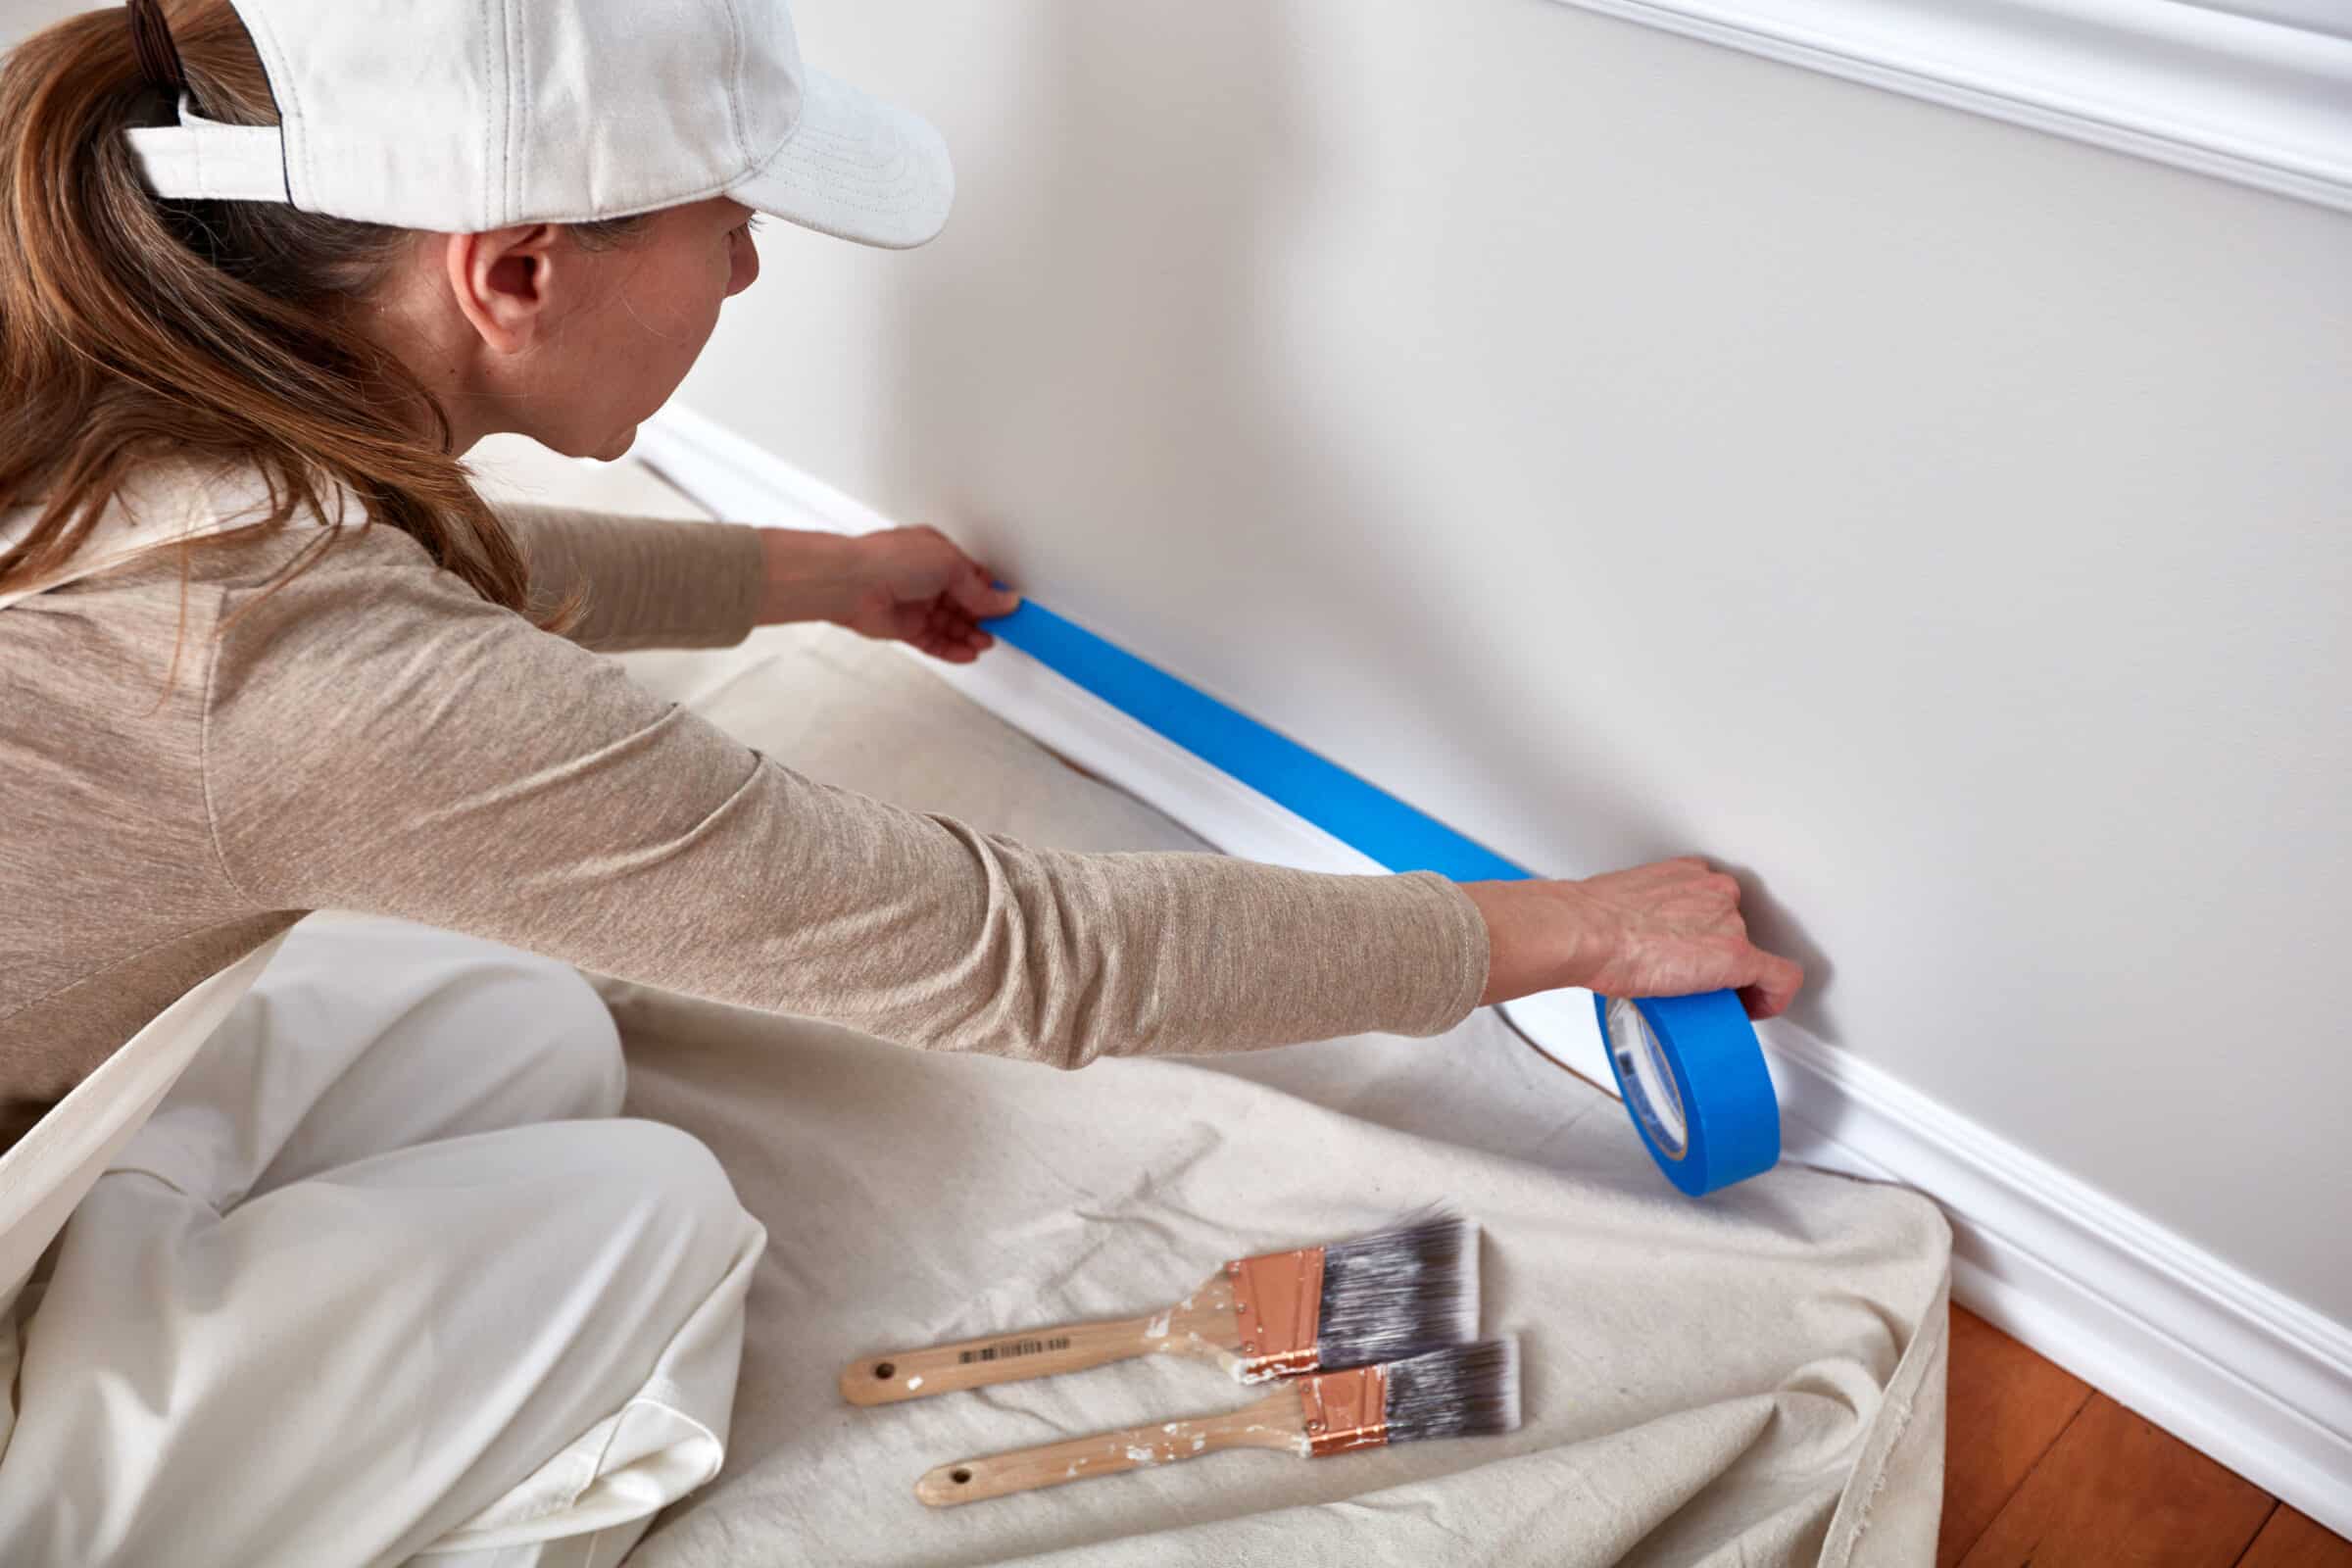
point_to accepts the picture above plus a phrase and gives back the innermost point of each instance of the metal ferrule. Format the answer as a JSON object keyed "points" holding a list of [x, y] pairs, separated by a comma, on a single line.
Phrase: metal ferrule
{"points": [[1346, 1410], [1278, 1299]]}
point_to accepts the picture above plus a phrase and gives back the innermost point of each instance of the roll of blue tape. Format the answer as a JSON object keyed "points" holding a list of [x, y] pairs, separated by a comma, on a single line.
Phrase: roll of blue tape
{"points": [[1689, 1067], [1694, 1080]]}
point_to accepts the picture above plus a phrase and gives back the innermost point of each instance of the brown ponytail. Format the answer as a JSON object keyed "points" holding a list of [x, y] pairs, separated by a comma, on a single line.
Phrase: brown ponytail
{"points": [[131, 328], [151, 43]]}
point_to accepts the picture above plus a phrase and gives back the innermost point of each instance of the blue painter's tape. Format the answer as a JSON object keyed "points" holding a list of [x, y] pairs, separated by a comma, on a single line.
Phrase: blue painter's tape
{"points": [[1695, 1085], [1729, 1118]]}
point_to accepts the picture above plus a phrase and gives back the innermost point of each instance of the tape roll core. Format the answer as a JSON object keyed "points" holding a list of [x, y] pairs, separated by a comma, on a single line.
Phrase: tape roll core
{"points": [[1644, 1077]]}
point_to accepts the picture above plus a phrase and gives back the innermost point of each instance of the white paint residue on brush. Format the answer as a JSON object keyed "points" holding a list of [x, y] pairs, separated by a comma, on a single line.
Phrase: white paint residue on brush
{"points": [[1157, 1328], [1140, 1454], [1300, 1444]]}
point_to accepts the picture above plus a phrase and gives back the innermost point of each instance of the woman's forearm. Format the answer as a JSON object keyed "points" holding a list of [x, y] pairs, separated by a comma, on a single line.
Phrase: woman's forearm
{"points": [[642, 582]]}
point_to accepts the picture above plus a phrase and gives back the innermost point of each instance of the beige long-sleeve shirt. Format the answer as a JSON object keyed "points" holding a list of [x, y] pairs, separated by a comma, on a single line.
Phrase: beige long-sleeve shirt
{"points": [[374, 736]]}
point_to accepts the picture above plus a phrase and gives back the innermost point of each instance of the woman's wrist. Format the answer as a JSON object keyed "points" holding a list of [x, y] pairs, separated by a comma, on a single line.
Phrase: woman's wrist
{"points": [[806, 576], [1536, 938]]}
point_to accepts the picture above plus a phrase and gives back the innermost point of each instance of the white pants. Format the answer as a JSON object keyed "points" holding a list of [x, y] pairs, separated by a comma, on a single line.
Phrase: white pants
{"points": [[385, 1278]]}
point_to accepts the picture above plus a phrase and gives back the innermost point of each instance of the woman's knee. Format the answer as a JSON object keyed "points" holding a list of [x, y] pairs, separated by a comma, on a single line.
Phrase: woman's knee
{"points": [[560, 1032], [529, 1033], [664, 1182]]}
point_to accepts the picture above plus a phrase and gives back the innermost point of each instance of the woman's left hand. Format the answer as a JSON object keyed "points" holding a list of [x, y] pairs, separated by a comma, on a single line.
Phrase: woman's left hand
{"points": [[909, 585]]}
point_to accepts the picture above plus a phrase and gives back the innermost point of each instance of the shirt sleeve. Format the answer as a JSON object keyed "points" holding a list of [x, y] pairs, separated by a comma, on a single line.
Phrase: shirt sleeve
{"points": [[647, 582], [387, 741]]}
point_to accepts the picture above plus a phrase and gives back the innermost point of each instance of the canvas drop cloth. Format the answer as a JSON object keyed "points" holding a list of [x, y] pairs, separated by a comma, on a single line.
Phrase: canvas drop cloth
{"points": [[1755, 1379]]}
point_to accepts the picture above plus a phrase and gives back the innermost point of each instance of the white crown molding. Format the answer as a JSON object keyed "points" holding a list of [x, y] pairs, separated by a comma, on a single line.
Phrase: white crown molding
{"points": [[2259, 1382], [2261, 101]]}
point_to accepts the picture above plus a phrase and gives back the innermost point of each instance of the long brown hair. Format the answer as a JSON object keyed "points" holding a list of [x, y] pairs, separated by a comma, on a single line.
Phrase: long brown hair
{"points": [[132, 328]]}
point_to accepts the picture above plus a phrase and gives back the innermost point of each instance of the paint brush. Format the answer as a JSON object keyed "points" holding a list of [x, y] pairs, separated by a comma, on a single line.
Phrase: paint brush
{"points": [[1377, 1298], [1462, 1391]]}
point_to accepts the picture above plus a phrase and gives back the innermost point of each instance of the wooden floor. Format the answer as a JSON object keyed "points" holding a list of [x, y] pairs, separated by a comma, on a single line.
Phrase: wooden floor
{"points": [[2041, 1470]]}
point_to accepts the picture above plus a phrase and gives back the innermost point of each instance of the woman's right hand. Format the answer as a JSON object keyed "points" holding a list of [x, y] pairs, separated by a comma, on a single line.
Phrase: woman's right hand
{"points": [[1666, 929]]}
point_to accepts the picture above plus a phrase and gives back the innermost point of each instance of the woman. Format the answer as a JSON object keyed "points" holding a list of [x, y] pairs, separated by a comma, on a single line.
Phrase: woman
{"points": [[374, 1267]]}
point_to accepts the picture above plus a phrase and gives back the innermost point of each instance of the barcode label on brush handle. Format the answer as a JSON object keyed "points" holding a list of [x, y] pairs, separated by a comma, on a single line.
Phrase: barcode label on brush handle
{"points": [[1009, 1348]]}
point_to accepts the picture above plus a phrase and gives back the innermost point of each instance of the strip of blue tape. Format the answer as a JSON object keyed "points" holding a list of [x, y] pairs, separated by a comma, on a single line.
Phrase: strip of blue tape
{"points": [[1732, 1118]]}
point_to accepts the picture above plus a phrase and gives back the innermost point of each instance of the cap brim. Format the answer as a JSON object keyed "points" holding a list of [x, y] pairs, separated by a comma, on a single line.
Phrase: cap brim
{"points": [[857, 167]]}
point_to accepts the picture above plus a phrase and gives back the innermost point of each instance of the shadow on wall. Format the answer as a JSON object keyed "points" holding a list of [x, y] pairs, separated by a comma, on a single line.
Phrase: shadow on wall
{"points": [[1118, 244]]}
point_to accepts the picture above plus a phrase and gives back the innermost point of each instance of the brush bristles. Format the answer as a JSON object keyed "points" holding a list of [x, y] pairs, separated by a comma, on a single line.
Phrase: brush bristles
{"points": [[1464, 1390], [1400, 1291]]}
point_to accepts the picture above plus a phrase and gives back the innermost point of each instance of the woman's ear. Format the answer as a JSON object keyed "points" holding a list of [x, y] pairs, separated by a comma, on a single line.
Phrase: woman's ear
{"points": [[503, 282]]}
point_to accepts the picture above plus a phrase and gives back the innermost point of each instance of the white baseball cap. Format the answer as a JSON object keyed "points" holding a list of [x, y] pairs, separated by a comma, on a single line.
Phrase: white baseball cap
{"points": [[466, 116]]}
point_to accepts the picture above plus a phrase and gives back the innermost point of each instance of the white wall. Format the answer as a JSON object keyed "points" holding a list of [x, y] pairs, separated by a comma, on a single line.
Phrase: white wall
{"points": [[1620, 447], [21, 16]]}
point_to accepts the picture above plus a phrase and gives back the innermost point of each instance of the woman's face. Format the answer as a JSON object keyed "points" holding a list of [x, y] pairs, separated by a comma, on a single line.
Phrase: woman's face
{"points": [[527, 329], [644, 310]]}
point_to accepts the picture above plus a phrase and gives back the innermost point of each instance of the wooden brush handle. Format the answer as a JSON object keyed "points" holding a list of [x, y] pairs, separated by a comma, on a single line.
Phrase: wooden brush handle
{"points": [[1201, 1324], [1276, 1421], [904, 1375]]}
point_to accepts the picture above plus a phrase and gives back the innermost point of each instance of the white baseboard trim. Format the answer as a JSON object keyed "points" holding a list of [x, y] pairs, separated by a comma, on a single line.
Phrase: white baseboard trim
{"points": [[2259, 1382], [2262, 100]]}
